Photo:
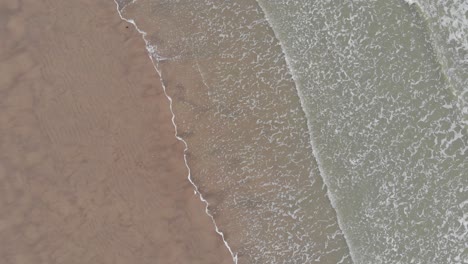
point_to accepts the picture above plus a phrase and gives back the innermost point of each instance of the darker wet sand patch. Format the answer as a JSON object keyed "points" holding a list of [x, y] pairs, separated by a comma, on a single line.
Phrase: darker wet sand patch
{"points": [[90, 170]]}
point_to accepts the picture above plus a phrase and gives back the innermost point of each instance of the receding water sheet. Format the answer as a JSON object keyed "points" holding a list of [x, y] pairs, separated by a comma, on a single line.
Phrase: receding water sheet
{"points": [[236, 106], [320, 131]]}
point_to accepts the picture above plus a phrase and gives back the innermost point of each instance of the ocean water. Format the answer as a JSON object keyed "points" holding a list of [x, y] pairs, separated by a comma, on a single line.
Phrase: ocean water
{"points": [[320, 131], [448, 27]]}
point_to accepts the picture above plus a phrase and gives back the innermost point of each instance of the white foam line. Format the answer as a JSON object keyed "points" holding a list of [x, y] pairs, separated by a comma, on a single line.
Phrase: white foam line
{"points": [[151, 52], [309, 125]]}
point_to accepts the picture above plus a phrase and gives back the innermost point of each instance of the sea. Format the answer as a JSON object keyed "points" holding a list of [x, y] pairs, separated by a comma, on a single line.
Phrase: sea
{"points": [[320, 131]]}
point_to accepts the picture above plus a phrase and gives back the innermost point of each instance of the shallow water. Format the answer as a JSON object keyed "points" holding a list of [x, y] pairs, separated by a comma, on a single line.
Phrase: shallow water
{"points": [[286, 104], [387, 130], [447, 22]]}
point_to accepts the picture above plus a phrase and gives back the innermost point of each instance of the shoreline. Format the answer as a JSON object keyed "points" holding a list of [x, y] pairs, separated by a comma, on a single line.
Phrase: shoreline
{"points": [[90, 163], [232, 121], [189, 177]]}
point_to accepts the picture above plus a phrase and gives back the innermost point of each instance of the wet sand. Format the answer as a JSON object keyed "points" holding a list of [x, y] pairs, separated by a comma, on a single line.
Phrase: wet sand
{"points": [[90, 170], [238, 109]]}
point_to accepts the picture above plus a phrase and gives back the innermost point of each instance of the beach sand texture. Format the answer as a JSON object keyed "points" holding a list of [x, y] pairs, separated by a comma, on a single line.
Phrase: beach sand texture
{"points": [[90, 170]]}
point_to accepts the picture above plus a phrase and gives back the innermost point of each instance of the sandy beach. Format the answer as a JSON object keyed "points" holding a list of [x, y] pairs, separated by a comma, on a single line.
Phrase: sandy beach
{"points": [[90, 170]]}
